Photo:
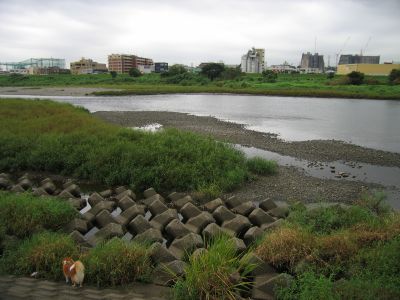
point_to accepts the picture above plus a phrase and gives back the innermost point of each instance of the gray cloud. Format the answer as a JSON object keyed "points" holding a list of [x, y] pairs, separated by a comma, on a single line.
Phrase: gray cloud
{"points": [[189, 31]]}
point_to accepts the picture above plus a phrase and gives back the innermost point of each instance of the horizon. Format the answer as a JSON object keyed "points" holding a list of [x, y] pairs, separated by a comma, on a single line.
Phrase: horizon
{"points": [[188, 32]]}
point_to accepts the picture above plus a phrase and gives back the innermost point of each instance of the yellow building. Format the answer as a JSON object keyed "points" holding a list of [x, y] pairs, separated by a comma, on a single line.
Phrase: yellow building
{"points": [[367, 69], [87, 66]]}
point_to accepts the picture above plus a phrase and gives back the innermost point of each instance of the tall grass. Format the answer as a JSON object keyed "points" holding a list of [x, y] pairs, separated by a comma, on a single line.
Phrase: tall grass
{"points": [[262, 166], [337, 253], [48, 136], [208, 275], [42, 253], [117, 262], [24, 214]]}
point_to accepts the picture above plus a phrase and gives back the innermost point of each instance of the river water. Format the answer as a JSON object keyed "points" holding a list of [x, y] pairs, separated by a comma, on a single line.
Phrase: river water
{"points": [[369, 123]]}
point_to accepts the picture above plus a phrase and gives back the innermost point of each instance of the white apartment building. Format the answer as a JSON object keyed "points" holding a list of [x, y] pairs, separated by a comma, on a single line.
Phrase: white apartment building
{"points": [[253, 61]]}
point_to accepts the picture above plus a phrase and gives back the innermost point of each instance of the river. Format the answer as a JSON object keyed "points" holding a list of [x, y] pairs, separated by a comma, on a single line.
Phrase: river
{"points": [[368, 123]]}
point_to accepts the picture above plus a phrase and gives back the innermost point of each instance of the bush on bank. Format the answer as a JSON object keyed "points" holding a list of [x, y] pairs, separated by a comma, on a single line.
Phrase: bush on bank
{"points": [[23, 214], [117, 262], [48, 136], [338, 252], [42, 252]]}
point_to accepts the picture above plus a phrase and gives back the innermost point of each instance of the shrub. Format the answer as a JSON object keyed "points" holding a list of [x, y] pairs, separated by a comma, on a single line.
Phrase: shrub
{"points": [[231, 73], [42, 253], [285, 247], [308, 286], [174, 70], [213, 70], [330, 75], [262, 166], [355, 78], [269, 76], [113, 74], [24, 214], [208, 275], [394, 76], [134, 72], [326, 220], [117, 262]]}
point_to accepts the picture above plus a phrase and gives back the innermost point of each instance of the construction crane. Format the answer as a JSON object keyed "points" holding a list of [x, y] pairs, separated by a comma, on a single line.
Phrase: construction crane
{"points": [[341, 49], [365, 47]]}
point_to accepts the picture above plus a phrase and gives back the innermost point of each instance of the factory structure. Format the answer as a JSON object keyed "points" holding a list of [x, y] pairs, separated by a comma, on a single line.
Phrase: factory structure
{"points": [[253, 61], [35, 66]]}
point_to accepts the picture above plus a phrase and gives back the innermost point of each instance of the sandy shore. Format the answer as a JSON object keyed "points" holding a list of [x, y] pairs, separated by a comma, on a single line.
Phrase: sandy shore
{"points": [[290, 184]]}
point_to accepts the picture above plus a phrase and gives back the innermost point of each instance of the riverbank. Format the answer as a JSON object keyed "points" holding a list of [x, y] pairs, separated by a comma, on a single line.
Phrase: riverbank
{"points": [[290, 184], [315, 150], [293, 85]]}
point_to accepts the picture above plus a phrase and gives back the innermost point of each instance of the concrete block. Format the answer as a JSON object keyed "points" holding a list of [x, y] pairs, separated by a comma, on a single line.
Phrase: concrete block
{"points": [[175, 196], [109, 231], [126, 202], [106, 193], [151, 235], [138, 225], [189, 210], [133, 211], [107, 205], [221, 214], [40, 192], [157, 207], [149, 193], [265, 285], [49, 187], [179, 203], [259, 217], [244, 209], [176, 229], [238, 225], [126, 193], [166, 273], [233, 202], [161, 220], [25, 184], [267, 204], [213, 230], [252, 235], [212, 205], [160, 254], [95, 199], [149, 200], [103, 218], [77, 224], [199, 222], [186, 245]]}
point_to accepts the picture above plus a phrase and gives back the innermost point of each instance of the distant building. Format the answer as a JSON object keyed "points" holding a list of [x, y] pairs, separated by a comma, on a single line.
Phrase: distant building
{"points": [[87, 66], [48, 71], [312, 63], [36, 66], [368, 69], [283, 68], [346, 59], [160, 67], [253, 61], [121, 63], [145, 69]]}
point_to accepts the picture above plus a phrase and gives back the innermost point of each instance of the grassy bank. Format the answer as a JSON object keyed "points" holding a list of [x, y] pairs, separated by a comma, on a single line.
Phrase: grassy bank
{"points": [[48, 136], [337, 253], [308, 85]]}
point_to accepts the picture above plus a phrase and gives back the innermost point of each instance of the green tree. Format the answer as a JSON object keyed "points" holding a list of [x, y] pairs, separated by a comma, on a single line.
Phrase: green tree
{"points": [[113, 74], [355, 78], [269, 76], [134, 72], [231, 73], [394, 76], [175, 70], [213, 70]]}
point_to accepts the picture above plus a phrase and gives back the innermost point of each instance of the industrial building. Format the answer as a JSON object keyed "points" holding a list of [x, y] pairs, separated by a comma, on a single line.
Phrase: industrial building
{"points": [[122, 63], [160, 67], [346, 59], [35, 66], [283, 68], [312, 63], [87, 66], [253, 61], [367, 69]]}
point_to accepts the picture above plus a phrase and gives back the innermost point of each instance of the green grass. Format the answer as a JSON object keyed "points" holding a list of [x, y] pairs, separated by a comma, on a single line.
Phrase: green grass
{"points": [[262, 166], [117, 262], [337, 253], [307, 85], [23, 214], [48, 136], [208, 274], [43, 253]]}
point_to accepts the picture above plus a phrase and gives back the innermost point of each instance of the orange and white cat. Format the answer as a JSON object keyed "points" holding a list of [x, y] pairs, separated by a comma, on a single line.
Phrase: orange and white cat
{"points": [[74, 270]]}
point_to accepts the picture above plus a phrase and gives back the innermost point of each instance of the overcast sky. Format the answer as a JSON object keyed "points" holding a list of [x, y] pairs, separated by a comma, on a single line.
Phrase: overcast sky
{"points": [[194, 31]]}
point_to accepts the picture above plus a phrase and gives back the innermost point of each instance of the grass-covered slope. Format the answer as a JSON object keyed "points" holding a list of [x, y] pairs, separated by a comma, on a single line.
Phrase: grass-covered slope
{"points": [[49, 136], [312, 85]]}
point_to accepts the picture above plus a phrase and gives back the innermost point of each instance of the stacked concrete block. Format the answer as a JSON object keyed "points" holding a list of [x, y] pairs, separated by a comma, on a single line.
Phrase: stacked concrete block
{"points": [[238, 225], [138, 225], [161, 220], [199, 222], [189, 210], [176, 229], [179, 203], [95, 199], [213, 205], [186, 245], [126, 202]]}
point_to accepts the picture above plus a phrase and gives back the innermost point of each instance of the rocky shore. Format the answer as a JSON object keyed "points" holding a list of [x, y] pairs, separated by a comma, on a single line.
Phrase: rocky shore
{"points": [[290, 183]]}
